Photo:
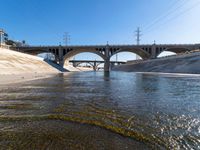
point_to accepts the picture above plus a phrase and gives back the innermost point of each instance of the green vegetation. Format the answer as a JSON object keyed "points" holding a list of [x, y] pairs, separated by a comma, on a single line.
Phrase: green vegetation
{"points": [[21, 106], [118, 127]]}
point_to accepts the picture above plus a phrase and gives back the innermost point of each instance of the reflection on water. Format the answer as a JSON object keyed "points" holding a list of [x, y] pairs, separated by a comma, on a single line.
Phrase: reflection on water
{"points": [[94, 110]]}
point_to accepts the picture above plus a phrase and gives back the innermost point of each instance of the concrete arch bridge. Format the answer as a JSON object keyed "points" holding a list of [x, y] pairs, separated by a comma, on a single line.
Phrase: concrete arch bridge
{"points": [[95, 64], [64, 53]]}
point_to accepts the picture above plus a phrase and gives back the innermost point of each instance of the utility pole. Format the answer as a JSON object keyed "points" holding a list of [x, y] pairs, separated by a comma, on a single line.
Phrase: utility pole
{"points": [[138, 39], [66, 38]]}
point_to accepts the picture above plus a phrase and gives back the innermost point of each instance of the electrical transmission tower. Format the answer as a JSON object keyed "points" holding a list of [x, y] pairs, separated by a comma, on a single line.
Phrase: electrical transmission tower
{"points": [[138, 39], [138, 35], [66, 38]]}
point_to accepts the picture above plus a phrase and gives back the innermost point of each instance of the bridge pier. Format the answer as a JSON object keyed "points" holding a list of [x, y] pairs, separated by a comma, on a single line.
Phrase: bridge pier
{"points": [[61, 63], [107, 59], [107, 65], [153, 51], [74, 64], [60, 56], [95, 66]]}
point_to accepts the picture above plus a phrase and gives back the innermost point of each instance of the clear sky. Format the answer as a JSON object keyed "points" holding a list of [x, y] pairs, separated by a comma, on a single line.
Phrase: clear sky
{"points": [[43, 22]]}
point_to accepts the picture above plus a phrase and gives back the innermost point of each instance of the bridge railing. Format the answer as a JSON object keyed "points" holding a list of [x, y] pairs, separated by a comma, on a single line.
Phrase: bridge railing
{"points": [[113, 45]]}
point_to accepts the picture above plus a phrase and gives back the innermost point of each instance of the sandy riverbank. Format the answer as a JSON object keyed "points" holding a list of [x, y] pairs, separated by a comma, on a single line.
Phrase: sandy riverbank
{"points": [[177, 64], [18, 67]]}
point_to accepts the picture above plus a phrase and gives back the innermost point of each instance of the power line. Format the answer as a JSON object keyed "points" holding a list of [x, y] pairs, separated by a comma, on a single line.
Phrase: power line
{"points": [[172, 8], [174, 17], [161, 16], [167, 14]]}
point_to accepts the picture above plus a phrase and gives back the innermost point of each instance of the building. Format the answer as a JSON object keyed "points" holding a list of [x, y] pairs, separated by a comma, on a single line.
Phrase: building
{"points": [[3, 37]]}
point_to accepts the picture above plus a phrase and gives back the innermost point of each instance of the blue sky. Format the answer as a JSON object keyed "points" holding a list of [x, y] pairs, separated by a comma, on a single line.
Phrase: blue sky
{"points": [[43, 22]]}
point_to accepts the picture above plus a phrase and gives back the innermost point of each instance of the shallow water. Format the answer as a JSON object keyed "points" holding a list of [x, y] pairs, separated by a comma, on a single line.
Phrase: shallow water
{"points": [[97, 110]]}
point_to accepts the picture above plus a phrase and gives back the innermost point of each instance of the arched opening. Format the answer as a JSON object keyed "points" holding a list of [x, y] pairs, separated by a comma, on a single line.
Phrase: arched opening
{"points": [[129, 56], [83, 54], [140, 53], [125, 56], [172, 52], [83, 57], [166, 54], [47, 56], [85, 66]]}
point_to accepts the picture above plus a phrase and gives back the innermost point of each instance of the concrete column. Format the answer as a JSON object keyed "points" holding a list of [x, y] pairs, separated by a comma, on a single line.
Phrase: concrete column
{"points": [[153, 51], [95, 66], [112, 66], [60, 53], [107, 65], [107, 60], [74, 64]]}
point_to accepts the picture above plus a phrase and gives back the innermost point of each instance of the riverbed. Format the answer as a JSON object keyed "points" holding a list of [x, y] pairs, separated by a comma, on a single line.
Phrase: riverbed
{"points": [[97, 110]]}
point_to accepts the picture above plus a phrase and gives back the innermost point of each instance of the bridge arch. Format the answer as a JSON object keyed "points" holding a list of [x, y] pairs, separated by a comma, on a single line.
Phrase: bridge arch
{"points": [[85, 63], [72, 53], [140, 52], [175, 50], [48, 56], [166, 54], [77, 64]]}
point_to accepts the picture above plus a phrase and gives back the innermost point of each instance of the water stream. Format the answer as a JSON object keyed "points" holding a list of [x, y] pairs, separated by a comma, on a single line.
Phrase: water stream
{"points": [[97, 110]]}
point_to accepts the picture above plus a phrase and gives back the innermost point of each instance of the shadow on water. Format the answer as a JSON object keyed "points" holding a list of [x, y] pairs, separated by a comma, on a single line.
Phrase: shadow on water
{"points": [[101, 110]]}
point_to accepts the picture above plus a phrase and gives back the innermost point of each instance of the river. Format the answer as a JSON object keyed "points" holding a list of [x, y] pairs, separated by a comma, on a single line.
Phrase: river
{"points": [[97, 110]]}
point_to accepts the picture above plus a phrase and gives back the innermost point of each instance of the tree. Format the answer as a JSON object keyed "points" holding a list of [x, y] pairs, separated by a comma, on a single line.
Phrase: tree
{"points": [[10, 42]]}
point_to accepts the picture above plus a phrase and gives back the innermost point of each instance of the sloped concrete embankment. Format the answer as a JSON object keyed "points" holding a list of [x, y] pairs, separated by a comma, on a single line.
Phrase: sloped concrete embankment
{"points": [[16, 67], [12, 62], [189, 63]]}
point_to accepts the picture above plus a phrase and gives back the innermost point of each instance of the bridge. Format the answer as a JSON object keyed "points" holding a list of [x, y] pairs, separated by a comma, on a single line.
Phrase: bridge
{"points": [[64, 53], [95, 64]]}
